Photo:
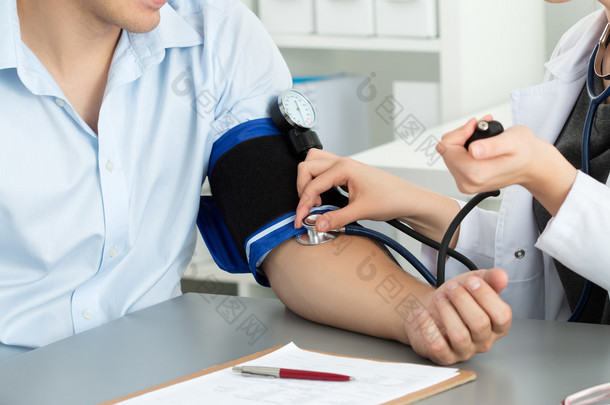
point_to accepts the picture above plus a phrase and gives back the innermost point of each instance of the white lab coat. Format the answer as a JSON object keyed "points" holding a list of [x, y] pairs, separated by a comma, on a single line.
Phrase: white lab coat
{"points": [[579, 235]]}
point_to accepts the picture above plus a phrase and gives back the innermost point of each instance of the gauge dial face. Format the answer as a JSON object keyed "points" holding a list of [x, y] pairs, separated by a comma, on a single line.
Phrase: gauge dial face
{"points": [[297, 109]]}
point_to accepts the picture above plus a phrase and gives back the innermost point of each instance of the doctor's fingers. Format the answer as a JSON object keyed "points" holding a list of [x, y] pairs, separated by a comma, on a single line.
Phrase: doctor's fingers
{"points": [[475, 176], [459, 136], [312, 168], [517, 140], [303, 209], [331, 219], [315, 153], [310, 191], [352, 212]]}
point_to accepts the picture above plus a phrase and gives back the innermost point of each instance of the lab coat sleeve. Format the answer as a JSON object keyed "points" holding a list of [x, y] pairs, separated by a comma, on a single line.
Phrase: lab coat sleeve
{"points": [[578, 235], [476, 241]]}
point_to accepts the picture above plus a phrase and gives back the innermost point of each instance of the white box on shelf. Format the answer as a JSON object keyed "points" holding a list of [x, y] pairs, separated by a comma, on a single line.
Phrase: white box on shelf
{"points": [[414, 107], [345, 17], [407, 18], [287, 16]]}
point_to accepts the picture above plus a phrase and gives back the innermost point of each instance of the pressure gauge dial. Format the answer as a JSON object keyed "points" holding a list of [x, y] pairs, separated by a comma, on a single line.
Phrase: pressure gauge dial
{"points": [[293, 110]]}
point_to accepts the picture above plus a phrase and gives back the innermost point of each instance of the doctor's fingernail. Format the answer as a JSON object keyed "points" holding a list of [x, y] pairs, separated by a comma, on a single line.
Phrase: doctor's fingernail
{"points": [[477, 151], [473, 284], [322, 225], [440, 148]]}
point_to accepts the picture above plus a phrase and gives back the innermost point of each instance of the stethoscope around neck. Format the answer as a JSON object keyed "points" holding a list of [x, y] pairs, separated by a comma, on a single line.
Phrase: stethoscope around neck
{"points": [[594, 69]]}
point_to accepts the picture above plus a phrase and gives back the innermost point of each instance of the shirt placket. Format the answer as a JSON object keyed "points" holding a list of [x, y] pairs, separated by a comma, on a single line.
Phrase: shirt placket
{"points": [[86, 299]]}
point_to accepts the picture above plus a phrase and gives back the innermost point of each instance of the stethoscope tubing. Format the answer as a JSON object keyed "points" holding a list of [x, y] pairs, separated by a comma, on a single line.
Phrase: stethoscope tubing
{"points": [[391, 243], [442, 247], [595, 101], [453, 226], [432, 243], [416, 235]]}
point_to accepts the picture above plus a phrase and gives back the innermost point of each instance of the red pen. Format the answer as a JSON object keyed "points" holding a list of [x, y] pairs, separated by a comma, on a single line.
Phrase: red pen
{"points": [[290, 373]]}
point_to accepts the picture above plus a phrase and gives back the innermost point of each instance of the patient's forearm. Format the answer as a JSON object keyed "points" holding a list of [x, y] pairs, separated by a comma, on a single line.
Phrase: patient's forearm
{"points": [[349, 283]]}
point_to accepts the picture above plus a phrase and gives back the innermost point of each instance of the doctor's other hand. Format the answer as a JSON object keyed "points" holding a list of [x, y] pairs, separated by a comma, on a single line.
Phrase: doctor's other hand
{"points": [[462, 317], [516, 156], [372, 192]]}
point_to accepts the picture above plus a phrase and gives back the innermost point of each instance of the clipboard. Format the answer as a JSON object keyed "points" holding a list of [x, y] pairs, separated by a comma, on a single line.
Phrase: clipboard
{"points": [[463, 377]]}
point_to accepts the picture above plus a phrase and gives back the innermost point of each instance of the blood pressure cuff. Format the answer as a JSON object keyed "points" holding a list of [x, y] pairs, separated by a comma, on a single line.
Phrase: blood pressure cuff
{"points": [[252, 173]]}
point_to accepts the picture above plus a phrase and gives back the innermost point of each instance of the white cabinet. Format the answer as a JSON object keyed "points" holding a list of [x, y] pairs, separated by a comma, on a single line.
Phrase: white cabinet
{"points": [[406, 18], [352, 17], [274, 12], [485, 49]]}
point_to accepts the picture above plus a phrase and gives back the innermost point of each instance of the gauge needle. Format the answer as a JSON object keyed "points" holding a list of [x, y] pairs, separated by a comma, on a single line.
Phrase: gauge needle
{"points": [[300, 113]]}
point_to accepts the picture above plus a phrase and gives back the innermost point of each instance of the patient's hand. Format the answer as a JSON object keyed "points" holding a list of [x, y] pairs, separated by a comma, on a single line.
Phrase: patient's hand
{"points": [[463, 317]]}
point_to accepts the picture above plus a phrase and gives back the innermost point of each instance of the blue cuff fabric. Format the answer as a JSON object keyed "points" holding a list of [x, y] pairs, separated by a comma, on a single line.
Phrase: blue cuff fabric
{"points": [[260, 243], [252, 172], [238, 134]]}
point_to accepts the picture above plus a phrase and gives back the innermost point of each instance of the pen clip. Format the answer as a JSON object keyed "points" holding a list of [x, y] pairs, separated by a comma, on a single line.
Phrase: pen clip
{"points": [[258, 371]]}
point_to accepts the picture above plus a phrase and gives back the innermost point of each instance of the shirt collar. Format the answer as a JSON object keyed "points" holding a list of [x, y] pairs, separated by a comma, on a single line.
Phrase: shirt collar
{"points": [[173, 31]]}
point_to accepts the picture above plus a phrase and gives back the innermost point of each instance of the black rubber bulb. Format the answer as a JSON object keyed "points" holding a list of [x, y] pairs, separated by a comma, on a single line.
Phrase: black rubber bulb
{"points": [[485, 129]]}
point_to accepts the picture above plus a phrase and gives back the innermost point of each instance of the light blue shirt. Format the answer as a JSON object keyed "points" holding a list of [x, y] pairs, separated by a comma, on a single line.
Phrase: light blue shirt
{"points": [[93, 227]]}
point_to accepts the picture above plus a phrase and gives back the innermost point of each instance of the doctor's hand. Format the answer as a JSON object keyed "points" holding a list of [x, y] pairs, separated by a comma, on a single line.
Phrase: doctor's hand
{"points": [[515, 156], [373, 193], [462, 317]]}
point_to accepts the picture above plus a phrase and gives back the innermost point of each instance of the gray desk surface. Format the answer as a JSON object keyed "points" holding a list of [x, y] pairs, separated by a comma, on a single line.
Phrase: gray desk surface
{"points": [[538, 362]]}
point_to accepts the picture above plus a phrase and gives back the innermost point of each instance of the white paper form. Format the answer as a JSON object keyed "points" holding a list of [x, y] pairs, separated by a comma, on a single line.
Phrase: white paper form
{"points": [[375, 382]]}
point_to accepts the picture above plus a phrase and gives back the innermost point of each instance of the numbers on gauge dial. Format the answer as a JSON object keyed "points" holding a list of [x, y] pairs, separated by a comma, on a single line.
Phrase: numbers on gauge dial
{"points": [[299, 109]]}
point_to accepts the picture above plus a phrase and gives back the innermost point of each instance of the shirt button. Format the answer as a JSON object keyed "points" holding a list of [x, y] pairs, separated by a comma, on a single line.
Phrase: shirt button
{"points": [[114, 252], [88, 314], [60, 102], [109, 166], [520, 253]]}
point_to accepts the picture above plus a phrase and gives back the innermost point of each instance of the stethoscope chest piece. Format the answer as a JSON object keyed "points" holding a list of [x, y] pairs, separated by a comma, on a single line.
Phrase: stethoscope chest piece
{"points": [[313, 237]]}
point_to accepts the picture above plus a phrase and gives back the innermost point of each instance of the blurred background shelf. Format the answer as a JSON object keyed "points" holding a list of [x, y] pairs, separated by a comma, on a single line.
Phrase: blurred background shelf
{"points": [[376, 44]]}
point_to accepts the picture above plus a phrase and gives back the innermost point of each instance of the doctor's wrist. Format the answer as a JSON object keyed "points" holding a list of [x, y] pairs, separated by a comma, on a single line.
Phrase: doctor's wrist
{"points": [[551, 179]]}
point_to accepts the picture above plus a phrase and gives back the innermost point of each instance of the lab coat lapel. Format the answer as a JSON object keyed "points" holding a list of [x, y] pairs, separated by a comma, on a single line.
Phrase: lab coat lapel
{"points": [[545, 108]]}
